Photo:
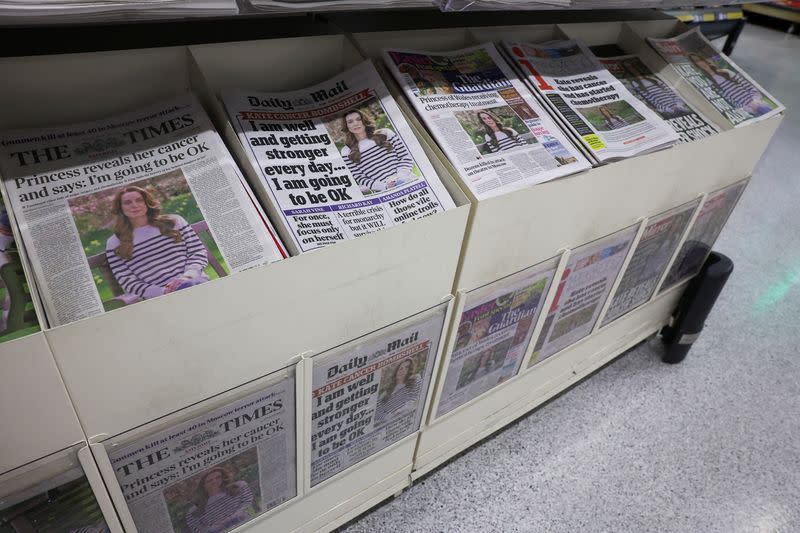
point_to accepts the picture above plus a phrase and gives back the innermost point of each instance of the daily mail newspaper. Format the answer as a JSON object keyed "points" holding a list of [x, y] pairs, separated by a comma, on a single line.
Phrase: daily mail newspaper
{"points": [[215, 471], [493, 334], [130, 208], [64, 503], [368, 395], [485, 120], [660, 96], [337, 160], [650, 259], [583, 289], [727, 87], [604, 116], [703, 234]]}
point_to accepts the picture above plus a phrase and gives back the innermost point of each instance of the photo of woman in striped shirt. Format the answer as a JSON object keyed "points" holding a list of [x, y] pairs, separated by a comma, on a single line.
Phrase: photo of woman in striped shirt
{"points": [[150, 253], [220, 503], [732, 86], [498, 137], [402, 395], [652, 91], [378, 158]]}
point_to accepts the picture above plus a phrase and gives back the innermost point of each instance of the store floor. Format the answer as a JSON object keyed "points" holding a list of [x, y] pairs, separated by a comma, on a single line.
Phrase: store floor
{"points": [[712, 444]]}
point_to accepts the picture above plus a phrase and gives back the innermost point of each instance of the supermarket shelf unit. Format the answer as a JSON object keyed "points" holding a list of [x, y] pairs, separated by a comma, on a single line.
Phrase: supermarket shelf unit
{"points": [[137, 369]]}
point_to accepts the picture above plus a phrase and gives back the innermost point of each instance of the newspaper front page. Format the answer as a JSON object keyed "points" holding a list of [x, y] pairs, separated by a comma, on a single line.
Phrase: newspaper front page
{"points": [[727, 87], [370, 394], [609, 121], [493, 334], [338, 160], [215, 471], [130, 208], [650, 259], [661, 97], [485, 120], [703, 234], [583, 289], [63, 504]]}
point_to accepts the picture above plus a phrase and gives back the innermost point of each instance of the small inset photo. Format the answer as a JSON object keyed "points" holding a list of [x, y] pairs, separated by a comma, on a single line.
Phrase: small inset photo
{"points": [[145, 239], [495, 129], [218, 498], [374, 153], [611, 116]]}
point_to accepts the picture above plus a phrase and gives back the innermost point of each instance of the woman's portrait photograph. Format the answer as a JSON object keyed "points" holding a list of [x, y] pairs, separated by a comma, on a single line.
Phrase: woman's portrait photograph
{"points": [[483, 363], [400, 390], [374, 153], [495, 130], [217, 499], [651, 90], [611, 116], [145, 239]]}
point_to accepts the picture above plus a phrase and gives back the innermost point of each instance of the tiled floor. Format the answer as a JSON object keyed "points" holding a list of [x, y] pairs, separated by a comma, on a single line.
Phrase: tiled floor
{"points": [[712, 444]]}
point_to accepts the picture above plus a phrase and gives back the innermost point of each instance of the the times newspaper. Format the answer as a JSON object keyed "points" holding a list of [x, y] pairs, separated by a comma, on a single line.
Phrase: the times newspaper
{"points": [[338, 160], [131, 207], [583, 289], [727, 87], [703, 234], [609, 121], [486, 121], [369, 394], [64, 503], [493, 334], [215, 471], [660, 96], [650, 259]]}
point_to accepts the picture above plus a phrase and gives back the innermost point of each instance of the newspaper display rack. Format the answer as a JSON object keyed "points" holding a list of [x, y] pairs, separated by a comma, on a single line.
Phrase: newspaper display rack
{"points": [[574, 210], [174, 359]]}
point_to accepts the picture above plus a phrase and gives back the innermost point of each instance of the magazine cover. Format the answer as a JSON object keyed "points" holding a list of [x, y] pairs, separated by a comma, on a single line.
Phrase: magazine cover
{"points": [[601, 113], [703, 234], [727, 87], [368, 394], [660, 96], [215, 471], [493, 334], [130, 208], [64, 504], [650, 259], [338, 160], [583, 289], [485, 120], [17, 313]]}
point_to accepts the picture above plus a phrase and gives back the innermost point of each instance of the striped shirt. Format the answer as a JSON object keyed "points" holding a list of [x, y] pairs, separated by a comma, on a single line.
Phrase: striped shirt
{"points": [[737, 91], [403, 399], [658, 96], [378, 166], [157, 259], [222, 512], [504, 142]]}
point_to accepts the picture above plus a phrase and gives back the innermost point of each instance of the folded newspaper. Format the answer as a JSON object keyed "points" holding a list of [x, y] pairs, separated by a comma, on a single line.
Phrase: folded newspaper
{"points": [[596, 107], [727, 87], [371, 393], [215, 471], [659, 96], [337, 160], [129, 208], [488, 124]]}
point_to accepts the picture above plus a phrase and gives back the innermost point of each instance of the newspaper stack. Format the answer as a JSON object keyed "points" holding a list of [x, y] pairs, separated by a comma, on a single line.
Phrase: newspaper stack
{"points": [[25, 12], [660, 97], [727, 87], [488, 124], [337, 160], [129, 208], [592, 104], [283, 6]]}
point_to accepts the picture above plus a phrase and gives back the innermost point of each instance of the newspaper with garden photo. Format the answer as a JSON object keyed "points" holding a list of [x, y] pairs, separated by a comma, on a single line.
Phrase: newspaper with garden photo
{"points": [[493, 334], [489, 125], [131, 207], [214, 471], [660, 96], [337, 160], [599, 111], [727, 87], [370, 393]]}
